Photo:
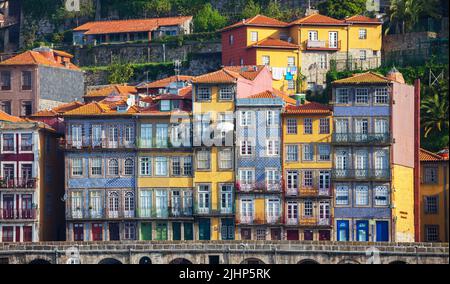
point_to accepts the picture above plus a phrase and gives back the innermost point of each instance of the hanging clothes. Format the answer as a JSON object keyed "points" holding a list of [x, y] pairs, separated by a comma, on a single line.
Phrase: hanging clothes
{"points": [[278, 73]]}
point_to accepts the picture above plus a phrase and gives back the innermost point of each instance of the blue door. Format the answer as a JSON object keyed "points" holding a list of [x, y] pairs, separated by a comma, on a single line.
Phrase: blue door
{"points": [[342, 230], [382, 231], [362, 231]]}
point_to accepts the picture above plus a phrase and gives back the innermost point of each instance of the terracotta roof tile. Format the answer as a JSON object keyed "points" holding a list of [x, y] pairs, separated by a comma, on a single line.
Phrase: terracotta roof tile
{"points": [[35, 58], [360, 19], [162, 83], [135, 25], [363, 78], [274, 94], [258, 20], [62, 53], [57, 110], [274, 43], [308, 108], [229, 75], [105, 91], [427, 156], [10, 118], [317, 19]]}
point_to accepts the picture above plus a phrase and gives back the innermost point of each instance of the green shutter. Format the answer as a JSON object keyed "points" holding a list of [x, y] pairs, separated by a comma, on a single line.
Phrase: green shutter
{"points": [[204, 229], [161, 232], [146, 231], [176, 229], [188, 231]]}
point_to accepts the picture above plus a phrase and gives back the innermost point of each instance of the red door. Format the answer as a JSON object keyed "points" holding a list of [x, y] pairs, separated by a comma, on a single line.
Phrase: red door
{"points": [[27, 233], [26, 206], [292, 235], [97, 232], [17, 234], [78, 232]]}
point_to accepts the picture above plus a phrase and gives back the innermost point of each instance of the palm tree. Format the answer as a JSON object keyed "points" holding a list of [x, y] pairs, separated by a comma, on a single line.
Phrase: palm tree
{"points": [[434, 110]]}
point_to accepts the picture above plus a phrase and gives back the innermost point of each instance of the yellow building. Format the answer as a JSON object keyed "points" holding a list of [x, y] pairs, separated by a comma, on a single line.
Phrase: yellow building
{"points": [[306, 48], [434, 197], [307, 168]]}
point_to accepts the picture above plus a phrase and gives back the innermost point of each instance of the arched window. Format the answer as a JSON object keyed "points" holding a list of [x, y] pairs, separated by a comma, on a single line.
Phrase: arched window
{"points": [[129, 167], [129, 202], [113, 204], [113, 167]]}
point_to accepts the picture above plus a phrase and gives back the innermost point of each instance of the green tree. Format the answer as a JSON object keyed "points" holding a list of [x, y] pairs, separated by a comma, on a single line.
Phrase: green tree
{"points": [[120, 73], [274, 10], [341, 9], [250, 10], [434, 110], [208, 19], [157, 8]]}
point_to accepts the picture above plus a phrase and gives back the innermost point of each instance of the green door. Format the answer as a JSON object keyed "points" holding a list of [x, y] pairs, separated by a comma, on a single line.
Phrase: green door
{"points": [[161, 231], [204, 229], [188, 231], [146, 231], [176, 228]]}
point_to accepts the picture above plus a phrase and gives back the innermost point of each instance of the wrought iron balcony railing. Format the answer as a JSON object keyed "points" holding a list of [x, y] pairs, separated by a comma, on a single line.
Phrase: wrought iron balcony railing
{"points": [[103, 143], [355, 138], [361, 174], [18, 214], [322, 45], [261, 187], [28, 183]]}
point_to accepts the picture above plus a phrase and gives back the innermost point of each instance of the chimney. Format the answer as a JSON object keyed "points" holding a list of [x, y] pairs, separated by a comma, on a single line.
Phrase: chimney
{"points": [[47, 52], [395, 75]]}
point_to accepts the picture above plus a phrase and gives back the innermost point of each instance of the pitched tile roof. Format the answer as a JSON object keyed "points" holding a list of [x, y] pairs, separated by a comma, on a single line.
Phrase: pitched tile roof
{"points": [[183, 94], [105, 91], [274, 94], [57, 110], [259, 21], [17, 122], [360, 19], [135, 25], [101, 108], [274, 43], [162, 83], [31, 57], [62, 53], [318, 19], [427, 156], [364, 78], [308, 108], [229, 75], [10, 118]]}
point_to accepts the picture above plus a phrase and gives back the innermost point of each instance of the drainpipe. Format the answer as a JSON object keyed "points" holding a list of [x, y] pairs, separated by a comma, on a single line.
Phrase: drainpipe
{"points": [[417, 231]]}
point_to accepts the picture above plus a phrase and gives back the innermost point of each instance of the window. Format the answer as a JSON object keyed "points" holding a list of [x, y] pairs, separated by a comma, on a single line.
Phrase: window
{"points": [[246, 148], [113, 136], [26, 108], [113, 167], [292, 211], [129, 231], [362, 33], [95, 204], [307, 126], [246, 118], [273, 210], [96, 131], [324, 126], [291, 85], [381, 195], [146, 135], [291, 126], [271, 118], [161, 166], [381, 126], [342, 196], [145, 166], [176, 167], [291, 61], [272, 147], [5, 106], [203, 94], [323, 61], [27, 171], [231, 39], [254, 36], [261, 234], [266, 60], [308, 181], [272, 178], [145, 205], [161, 135], [5, 80], [324, 152], [312, 35], [203, 198], [8, 144], [291, 153], [203, 160], [113, 201], [432, 233], [226, 198], [342, 96], [26, 80], [225, 159], [362, 195], [246, 177], [187, 166], [165, 105], [292, 180], [431, 204], [308, 209], [129, 203], [362, 96], [129, 167], [226, 93], [96, 167], [430, 175], [308, 152], [381, 96], [362, 55], [77, 167], [324, 180]]}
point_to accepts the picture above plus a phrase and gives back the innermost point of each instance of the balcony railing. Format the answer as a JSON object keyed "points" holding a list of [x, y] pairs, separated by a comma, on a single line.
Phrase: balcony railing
{"points": [[258, 187], [306, 192], [85, 214], [18, 183], [308, 221], [322, 45], [251, 220], [87, 143], [362, 174], [18, 214], [292, 221], [120, 214], [155, 143], [163, 213], [355, 138]]}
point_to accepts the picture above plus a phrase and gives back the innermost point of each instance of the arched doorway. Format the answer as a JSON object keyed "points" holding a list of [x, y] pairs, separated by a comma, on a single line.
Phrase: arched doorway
{"points": [[39, 261], [398, 262], [109, 261], [307, 261], [253, 260], [180, 261], [145, 260]]}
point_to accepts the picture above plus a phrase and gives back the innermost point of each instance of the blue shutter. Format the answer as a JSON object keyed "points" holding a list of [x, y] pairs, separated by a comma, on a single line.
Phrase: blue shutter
{"points": [[342, 230], [362, 231], [382, 231]]}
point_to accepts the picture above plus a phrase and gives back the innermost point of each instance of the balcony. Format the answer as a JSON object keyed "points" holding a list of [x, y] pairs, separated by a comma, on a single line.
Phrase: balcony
{"points": [[314, 221], [258, 187], [162, 144], [322, 45], [251, 220], [362, 174], [18, 183], [292, 221], [358, 138], [120, 214], [308, 192], [165, 213], [18, 214], [84, 214], [87, 143]]}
